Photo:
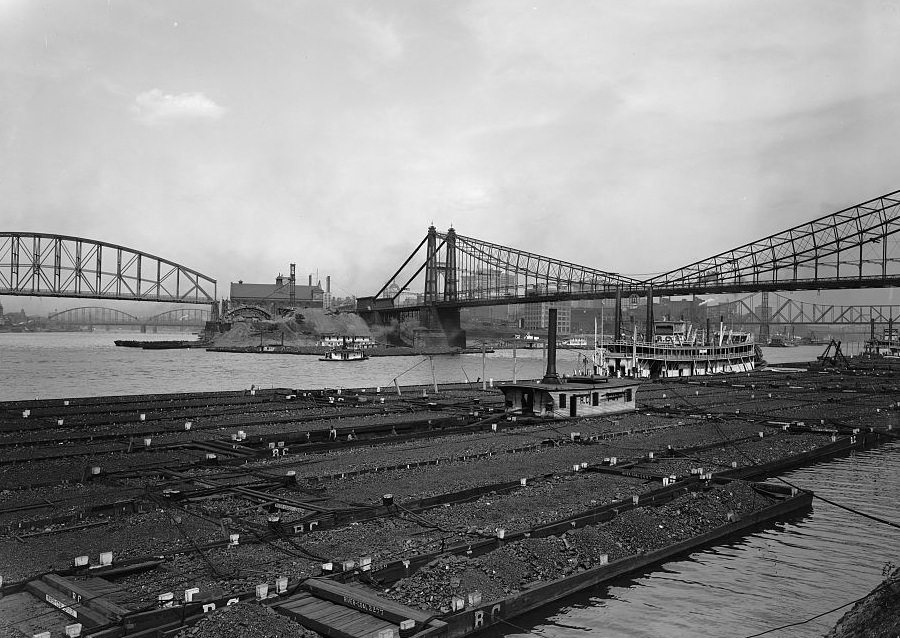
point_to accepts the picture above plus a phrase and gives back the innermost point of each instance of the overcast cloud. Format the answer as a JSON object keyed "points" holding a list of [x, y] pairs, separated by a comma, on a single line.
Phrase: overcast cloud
{"points": [[238, 137]]}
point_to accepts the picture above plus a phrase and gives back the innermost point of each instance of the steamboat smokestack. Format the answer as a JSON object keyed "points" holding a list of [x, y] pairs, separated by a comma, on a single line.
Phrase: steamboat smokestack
{"points": [[550, 376]]}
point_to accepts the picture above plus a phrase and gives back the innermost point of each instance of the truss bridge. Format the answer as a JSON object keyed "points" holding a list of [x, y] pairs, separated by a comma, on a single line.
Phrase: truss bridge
{"points": [[772, 309], [42, 265], [91, 316]]}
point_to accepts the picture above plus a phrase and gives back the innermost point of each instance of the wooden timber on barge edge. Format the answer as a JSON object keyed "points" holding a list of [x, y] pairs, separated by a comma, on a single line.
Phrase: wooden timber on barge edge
{"points": [[335, 606], [318, 605], [164, 623]]}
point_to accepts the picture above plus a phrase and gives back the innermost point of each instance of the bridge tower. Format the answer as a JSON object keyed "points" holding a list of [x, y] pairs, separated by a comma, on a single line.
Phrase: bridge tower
{"points": [[435, 317], [431, 267], [450, 283]]}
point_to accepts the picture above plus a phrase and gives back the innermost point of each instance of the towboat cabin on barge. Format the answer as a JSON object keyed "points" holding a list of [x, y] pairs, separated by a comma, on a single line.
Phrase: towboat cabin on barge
{"points": [[588, 392], [573, 397]]}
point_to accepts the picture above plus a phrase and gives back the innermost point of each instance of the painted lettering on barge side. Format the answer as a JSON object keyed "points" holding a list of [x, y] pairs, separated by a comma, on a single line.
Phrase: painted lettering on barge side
{"points": [[480, 619], [362, 605], [63, 606]]}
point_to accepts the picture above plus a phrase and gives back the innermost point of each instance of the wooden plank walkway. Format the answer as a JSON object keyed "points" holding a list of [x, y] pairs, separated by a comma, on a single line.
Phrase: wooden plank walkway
{"points": [[344, 610], [365, 599], [63, 601], [332, 619], [87, 596]]}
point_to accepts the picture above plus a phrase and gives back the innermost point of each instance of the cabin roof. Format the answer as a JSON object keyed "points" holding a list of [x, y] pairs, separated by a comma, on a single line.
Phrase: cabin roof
{"points": [[575, 386], [272, 292]]}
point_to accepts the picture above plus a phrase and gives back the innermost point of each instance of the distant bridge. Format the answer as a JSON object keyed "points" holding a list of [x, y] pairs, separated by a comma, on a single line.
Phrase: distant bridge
{"points": [[757, 310], [854, 248], [42, 265], [99, 316]]}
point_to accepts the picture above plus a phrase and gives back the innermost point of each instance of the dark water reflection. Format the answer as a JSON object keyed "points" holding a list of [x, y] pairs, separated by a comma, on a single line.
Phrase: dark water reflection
{"points": [[790, 572]]}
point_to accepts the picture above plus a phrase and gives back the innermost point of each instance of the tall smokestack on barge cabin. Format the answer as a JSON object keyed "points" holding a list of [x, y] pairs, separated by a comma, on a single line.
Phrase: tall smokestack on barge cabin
{"points": [[550, 376]]}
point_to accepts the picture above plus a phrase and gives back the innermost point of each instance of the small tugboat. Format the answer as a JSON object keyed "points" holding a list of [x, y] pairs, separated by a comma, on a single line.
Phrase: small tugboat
{"points": [[886, 346], [345, 353], [783, 341]]}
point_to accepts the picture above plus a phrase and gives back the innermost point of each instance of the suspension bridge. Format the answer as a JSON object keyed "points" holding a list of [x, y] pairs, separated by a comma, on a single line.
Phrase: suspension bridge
{"points": [[853, 248]]}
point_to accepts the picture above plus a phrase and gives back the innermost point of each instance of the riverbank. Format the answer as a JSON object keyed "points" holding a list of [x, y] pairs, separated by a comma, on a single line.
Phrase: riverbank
{"points": [[875, 616]]}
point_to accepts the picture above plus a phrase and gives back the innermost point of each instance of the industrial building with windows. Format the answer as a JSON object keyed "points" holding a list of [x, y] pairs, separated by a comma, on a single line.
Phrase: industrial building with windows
{"points": [[283, 294]]}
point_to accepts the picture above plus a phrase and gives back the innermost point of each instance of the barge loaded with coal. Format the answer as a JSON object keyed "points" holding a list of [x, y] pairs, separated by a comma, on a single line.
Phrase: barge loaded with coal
{"points": [[432, 511]]}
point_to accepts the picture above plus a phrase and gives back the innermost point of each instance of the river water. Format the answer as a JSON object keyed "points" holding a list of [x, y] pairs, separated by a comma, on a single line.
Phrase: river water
{"points": [[787, 573], [790, 572], [75, 364]]}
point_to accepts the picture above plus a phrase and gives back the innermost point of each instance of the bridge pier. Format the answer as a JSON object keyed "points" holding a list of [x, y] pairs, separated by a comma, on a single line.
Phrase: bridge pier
{"points": [[443, 327]]}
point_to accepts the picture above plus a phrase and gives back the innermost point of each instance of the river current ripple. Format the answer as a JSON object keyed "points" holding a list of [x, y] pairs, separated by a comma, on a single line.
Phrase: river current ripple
{"points": [[785, 573]]}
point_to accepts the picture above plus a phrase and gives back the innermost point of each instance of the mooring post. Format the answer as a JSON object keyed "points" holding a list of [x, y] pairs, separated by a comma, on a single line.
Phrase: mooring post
{"points": [[514, 362], [550, 376], [433, 378], [483, 377], [618, 322]]}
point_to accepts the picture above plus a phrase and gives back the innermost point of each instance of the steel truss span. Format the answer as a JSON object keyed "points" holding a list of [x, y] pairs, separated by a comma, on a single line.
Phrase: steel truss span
{"points": [[99, 316], [782, 310], [854, 248], [92, 315], [41, 265]]}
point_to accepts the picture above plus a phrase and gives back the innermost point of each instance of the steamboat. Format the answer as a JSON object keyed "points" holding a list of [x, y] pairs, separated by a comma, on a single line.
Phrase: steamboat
{"points": [[888, 345], [677, 349]]}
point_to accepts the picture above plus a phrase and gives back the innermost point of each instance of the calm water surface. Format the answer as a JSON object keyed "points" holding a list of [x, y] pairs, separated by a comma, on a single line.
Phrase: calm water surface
{"points": [[75, 364], [790, 572]]}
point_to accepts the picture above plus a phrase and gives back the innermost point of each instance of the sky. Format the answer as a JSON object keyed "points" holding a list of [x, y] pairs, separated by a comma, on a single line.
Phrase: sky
{"points": [[236, 138]]}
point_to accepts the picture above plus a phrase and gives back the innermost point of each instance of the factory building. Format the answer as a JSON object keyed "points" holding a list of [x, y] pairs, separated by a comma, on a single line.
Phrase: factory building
{"points": [[281, 295]]}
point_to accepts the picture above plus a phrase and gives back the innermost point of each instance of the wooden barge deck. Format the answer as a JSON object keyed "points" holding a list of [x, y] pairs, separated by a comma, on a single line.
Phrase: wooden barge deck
{"points": [[351, 610], [338, 602]]}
